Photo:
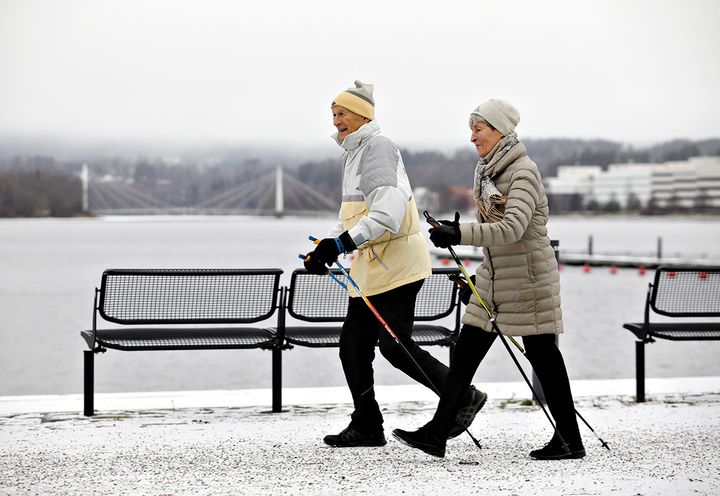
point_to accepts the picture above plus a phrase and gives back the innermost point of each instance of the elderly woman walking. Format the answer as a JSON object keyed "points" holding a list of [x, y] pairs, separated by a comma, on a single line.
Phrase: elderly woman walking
{"points": [[518, 279]]}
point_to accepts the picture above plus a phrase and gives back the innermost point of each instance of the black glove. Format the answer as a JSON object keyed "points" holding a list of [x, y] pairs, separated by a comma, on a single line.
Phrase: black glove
{"points": [[314, 266], [465, 292], [328, 249], [447, 234]]}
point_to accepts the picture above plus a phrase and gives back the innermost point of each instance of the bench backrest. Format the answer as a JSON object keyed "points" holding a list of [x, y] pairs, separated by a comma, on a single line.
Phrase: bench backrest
{"points": [[314, 298], [188, 296], [680, 291]]}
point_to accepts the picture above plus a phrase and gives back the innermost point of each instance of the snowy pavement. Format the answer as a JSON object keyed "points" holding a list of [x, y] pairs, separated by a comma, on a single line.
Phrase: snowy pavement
{"points": [[196, 443]]}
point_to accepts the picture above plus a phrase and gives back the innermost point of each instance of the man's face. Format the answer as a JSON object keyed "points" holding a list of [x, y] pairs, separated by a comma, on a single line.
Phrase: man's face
{"points": [[484, 138], [346, 122]]}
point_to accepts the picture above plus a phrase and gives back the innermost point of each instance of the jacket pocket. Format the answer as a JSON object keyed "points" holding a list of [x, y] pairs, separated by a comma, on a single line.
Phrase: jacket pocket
{"points": [[352, 212], [529, 262]]}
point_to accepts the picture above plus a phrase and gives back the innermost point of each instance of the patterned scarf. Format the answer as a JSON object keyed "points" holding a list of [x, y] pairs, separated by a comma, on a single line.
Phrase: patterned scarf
{"points": [[489, 202]]}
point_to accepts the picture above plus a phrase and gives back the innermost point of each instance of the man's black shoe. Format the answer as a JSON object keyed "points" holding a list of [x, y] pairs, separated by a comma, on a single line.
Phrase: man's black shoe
{"points": [[466, 414], [554, 450], [350, 437], [423, 440]]}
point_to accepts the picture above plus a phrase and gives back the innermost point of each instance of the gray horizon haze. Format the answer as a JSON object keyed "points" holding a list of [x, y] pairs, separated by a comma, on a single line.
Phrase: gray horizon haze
{"points": [[224, 73]]}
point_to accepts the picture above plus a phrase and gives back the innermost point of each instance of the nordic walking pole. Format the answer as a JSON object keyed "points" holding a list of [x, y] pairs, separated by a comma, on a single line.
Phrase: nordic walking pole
{"points": [[387, 328], [367, 302], [469, 282]]}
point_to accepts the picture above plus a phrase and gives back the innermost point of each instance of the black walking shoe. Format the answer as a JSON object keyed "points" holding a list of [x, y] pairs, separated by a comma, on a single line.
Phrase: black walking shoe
{"points": [[422, 440], [554, 450], [351, 437], [466, 414]]}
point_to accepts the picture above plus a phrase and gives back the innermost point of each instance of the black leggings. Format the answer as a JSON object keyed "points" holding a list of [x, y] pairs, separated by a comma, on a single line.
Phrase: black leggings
{"points": [[362, 331], [546, 360]]}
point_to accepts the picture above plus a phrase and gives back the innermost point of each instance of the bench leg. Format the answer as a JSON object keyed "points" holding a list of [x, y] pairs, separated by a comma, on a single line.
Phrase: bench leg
{"points": [[89, 380], [276, 380], [640, 371]]}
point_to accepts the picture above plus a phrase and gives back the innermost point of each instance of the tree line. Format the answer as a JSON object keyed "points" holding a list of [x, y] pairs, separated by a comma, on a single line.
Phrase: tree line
{"points": [[32, 185], [39, 194]]}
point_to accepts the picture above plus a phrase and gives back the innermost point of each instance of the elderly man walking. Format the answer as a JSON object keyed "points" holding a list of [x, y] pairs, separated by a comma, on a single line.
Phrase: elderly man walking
{"points": [[379, 219]]}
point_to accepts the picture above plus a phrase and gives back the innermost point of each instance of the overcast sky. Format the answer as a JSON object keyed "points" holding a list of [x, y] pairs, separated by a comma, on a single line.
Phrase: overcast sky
{"points": [[265, 71]]}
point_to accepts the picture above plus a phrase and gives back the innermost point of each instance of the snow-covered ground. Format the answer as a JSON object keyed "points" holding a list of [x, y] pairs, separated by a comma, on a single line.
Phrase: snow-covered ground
{"points": [[226, 442]]}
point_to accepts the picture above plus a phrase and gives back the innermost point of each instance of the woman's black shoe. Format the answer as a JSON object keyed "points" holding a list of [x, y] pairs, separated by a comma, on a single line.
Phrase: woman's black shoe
{"points": [[423, 440]]}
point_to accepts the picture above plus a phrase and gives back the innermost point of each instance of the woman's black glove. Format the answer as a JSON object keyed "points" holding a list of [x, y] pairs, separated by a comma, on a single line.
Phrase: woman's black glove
{"points": [[447, 234], [465, 292]]}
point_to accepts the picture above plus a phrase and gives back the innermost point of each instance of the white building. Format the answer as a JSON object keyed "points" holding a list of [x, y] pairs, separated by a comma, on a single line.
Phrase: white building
{"points": [[573, 179], [693, 184], [688, 184], [624, 184]]}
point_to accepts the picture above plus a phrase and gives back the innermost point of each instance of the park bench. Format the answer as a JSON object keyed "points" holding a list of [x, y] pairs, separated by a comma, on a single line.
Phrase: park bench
{"points": [[322, 303], [677, 292], [188, 309]]}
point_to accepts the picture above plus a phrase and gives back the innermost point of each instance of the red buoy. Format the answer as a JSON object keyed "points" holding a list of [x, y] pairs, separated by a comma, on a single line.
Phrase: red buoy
{"points": [[586, 267], [613, 269], [641, 270]]}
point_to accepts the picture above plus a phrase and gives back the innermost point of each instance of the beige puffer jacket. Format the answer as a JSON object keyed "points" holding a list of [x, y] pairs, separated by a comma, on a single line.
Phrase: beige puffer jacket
{"points": [[519, 278]]}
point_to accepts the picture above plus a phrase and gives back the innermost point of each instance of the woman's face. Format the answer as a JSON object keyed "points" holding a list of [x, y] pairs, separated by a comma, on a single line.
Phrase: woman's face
{"points": [[484, 138], [346, 122]]}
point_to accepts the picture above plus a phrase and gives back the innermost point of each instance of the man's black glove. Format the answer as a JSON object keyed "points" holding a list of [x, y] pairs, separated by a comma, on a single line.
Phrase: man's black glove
{"points": [[327, 251], [447, 234], [465, 292], [314, 266]]}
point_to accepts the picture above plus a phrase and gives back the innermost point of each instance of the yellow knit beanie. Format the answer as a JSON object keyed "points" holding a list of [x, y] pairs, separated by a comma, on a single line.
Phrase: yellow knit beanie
{"points": [[358, 100]]}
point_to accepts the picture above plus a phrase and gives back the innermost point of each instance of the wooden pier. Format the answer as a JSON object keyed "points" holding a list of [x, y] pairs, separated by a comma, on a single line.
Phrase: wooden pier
{"points": [[595, 259]]}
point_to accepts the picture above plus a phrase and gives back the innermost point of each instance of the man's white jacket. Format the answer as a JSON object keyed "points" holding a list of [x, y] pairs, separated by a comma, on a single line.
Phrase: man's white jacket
{"points": [[379, 212]]}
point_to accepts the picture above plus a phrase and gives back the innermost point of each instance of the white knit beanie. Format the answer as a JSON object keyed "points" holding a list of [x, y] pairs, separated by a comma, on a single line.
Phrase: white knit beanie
{"points": [[500, 114]]}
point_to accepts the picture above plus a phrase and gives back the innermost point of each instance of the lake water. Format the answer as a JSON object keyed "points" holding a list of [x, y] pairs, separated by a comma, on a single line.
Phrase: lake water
{"points": [[50, 267]]}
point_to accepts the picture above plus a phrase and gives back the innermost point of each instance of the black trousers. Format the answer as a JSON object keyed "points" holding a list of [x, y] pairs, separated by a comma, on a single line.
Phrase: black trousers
{"points": [[546, 360], [362, 331]]}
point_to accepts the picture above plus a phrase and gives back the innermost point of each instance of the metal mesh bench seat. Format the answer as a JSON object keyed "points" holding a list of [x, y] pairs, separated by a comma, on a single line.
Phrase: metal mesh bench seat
{"points": [[677, 291], [319, 299], [324, 337], [182, 339], [688, 331], [206, 309]]}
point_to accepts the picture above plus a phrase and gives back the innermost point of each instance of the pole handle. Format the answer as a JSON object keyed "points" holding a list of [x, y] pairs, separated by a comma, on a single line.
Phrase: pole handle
{"points": [[430, 219]]}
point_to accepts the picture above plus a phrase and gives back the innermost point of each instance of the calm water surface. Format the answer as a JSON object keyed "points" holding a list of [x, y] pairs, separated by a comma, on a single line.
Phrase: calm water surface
{"points": [[50, 267]]}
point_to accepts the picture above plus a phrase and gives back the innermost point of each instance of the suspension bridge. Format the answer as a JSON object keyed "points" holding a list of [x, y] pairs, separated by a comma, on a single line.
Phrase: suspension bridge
{"points": [[277, 193]]}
